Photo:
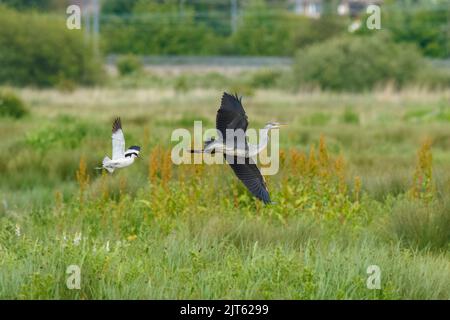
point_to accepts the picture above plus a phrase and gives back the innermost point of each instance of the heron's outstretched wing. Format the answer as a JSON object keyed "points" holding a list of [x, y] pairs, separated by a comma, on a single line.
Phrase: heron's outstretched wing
{"points": [[247, 171], [118, 140], [231, 115]]}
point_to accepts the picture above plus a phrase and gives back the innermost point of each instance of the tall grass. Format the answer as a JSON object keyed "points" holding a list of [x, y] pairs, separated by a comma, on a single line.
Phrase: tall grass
{"points": [[348, 196]]}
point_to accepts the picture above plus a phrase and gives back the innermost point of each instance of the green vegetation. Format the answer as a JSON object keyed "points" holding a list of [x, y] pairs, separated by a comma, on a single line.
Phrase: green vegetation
{"points": [[267, 32], [11, 105], [262, 27], [364, 164], [423, 23], [358, 63], [38, 50], [129, 64], [157, 28], [363, 181]]}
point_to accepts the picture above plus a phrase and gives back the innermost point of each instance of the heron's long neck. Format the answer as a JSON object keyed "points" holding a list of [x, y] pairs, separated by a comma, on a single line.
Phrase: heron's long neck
{"points": [[263, 139]]}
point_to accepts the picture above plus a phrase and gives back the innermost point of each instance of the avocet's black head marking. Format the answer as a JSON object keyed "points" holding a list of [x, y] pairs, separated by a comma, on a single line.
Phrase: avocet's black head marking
{"points": [[130, 154], [135, 148]]}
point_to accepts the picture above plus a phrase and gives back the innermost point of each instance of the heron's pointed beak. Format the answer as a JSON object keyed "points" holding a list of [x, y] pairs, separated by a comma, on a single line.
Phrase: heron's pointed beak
{"points": [[195, 151], [279, 125]]}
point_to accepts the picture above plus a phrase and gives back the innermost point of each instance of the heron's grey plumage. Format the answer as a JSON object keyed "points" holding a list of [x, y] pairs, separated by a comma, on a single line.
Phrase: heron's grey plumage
{"points": [[247, 171], [231, 115]]}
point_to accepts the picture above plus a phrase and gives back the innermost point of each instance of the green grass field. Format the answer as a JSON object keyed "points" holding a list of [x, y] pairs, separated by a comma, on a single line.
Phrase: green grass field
{"points": [[364, 180]]}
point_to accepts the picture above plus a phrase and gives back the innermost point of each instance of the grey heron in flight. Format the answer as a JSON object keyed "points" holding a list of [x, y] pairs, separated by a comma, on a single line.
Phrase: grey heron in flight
{"points": [[121, 158], [231, 124]]}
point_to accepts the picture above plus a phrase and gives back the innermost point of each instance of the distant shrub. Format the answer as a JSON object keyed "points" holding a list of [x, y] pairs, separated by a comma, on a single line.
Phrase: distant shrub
{"points": [[37, 49], [424, 26], [308, 31], [11, 105], [65, 135], [129, 64], [264, 31], [65, 85], [181, 84], [158, 28], [317, 119], [265, 78], [350, 117], [357, 63]]}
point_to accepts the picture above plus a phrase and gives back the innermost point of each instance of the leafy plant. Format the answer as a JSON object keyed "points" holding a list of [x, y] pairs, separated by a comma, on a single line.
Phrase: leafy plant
{"points": [[11, 105], [357, 63], [37, 51], [129, 64]]}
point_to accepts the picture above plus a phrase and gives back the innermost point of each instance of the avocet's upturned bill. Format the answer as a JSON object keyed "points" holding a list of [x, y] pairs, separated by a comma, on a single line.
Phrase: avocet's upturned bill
{"points": [[121, 158]]}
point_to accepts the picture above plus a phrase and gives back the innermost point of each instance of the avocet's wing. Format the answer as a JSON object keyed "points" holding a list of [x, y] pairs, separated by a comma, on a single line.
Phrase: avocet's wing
{"points": [[118, 140]]}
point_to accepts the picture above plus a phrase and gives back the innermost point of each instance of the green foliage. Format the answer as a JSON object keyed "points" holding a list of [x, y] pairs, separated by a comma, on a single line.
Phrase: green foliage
{"points": [[426, 26], [261, 32], [357, 63], [158, 28], [266, 31], [317, 119], [323, 191], [129, 64], [309, 31], [38, 50], [196, 28], [29, 4], [11, 105], [158, 230], [421, 225], [118, 6], [265, 78], [350, 117], [67, 134]]}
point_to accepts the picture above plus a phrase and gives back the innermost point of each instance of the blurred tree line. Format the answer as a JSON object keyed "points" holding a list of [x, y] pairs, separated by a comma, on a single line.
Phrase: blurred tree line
{"points": [[36, 48], [259, 27]]}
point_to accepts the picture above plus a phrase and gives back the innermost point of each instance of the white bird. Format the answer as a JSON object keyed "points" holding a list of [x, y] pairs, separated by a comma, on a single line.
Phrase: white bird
{"points": [[120, 157]]}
